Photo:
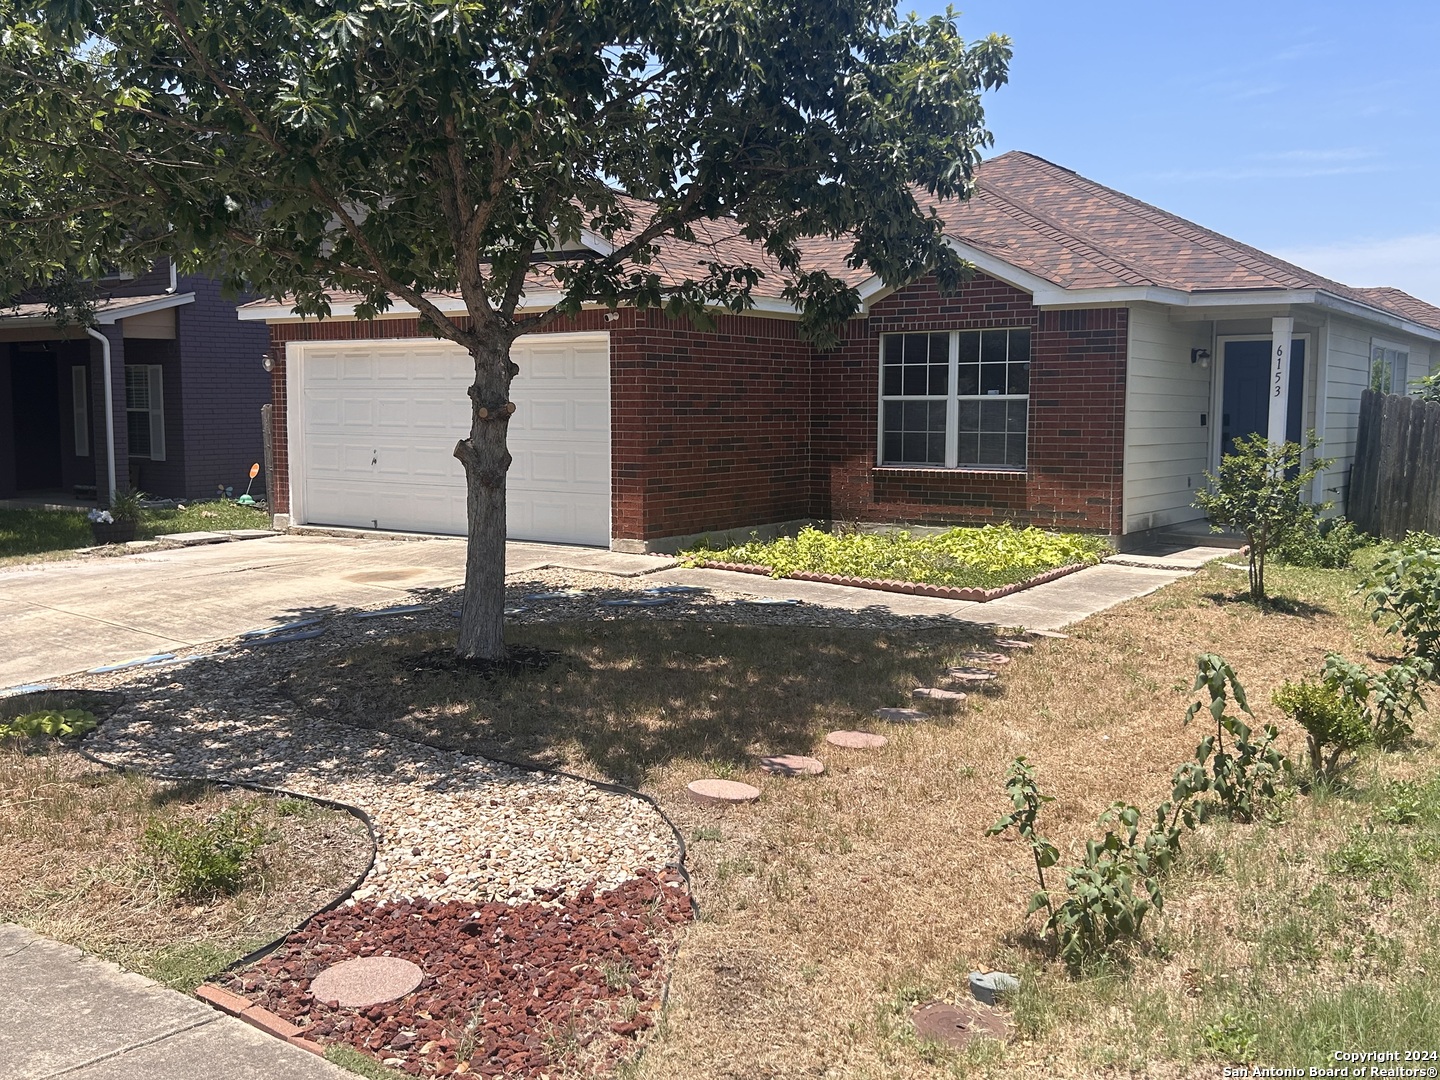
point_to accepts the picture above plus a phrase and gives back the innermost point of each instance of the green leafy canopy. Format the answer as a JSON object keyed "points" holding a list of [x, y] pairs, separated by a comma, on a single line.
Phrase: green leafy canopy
{"points": [[394, 148]]}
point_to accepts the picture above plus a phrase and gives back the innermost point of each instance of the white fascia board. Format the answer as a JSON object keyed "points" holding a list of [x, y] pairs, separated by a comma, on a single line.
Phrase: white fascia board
{"points": [[597, 243], [1370, 314], [110, 318]]}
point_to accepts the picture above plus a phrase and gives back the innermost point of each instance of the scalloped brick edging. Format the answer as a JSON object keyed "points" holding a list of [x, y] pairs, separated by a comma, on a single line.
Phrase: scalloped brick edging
{"points": [[913, 588]]}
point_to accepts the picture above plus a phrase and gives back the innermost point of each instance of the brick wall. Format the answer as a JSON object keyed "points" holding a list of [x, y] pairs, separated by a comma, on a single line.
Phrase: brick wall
{"points": [[746, 424], [709, 431], [1076, 425]]}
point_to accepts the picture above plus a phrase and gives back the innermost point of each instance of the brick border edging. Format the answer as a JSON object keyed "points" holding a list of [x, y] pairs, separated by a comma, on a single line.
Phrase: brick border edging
{"points": [[217, 997], [912, 588]]}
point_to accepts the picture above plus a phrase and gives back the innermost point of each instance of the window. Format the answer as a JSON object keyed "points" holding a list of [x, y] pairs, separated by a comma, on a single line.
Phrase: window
{"points": [[1387, 367], [955, 400], [80, 409], [145, 411]]}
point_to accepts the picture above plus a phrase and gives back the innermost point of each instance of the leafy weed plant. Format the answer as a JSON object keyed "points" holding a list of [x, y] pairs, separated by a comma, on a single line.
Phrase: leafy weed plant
{"points": [[198, 861]]}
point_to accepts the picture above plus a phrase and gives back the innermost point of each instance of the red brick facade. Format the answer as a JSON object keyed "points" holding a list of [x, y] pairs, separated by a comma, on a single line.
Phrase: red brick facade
{"points": [[1076, 428], [746, 424], [708, 430]]}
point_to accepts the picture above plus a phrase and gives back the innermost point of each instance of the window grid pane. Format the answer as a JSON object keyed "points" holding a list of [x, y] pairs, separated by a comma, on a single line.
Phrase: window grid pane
{"points": [[990, 398]]}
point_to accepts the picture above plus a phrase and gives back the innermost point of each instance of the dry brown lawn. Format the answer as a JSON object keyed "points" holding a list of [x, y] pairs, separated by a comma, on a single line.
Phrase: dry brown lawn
{"points": [[74, 867], [835, 904]]}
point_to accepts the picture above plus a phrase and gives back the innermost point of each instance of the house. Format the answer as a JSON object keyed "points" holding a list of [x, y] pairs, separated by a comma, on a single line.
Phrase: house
{"points": [[1101, 360], [182, 407]]}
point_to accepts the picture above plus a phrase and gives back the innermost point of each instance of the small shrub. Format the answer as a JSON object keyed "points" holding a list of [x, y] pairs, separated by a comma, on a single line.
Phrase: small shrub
{"points": [[1333, 722], [1115, 886], [201, 860], [1257, 491], [54, 723], [1388, 701], [1403, 590], [1245, 775], [1320, 543]]}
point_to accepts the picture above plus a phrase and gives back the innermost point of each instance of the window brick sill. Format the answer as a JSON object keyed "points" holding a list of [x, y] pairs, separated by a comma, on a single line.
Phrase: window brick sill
{"points": [[940, 470]]}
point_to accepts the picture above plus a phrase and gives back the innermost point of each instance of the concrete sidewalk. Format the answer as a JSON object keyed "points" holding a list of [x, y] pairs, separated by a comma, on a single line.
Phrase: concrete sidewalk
{"points": [[64, 1013]]}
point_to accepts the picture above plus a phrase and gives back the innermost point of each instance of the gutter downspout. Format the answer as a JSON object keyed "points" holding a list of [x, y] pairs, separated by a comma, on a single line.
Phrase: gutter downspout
{"points": [[174, 279], [109, 409]]}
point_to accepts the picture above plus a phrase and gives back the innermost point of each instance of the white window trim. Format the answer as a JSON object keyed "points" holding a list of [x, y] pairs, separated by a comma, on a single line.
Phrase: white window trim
{"points": [[952, 414], [155, 392], [1396, 347], [80, 408]]}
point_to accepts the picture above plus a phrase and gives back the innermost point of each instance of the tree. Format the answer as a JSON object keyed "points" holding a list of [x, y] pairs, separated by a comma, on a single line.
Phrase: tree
{"points": [[1259, 490], [399, 148]]}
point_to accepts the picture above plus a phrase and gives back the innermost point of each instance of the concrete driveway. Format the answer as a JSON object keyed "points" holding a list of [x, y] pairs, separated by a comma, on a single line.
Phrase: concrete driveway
{"points": [[61, 617]]}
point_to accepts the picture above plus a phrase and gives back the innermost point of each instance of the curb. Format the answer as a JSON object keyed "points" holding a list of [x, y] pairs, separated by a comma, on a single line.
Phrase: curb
{"points": [[222, 1000], [943, 592]]}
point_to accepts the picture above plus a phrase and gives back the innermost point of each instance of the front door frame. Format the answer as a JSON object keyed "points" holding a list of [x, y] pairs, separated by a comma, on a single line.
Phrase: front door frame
{"points": [[1217, 385]]}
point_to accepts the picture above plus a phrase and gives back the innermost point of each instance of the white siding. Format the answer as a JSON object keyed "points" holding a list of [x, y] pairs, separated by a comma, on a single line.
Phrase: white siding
{"points": [[1348, 375], [1166, 449]]}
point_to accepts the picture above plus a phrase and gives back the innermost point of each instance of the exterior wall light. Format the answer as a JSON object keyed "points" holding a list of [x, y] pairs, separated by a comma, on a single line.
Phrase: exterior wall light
{"points": [[1201, 357]]}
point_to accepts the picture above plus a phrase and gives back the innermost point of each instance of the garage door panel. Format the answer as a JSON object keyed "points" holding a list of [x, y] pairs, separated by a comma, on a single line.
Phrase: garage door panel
{"points": [[380, 421]]}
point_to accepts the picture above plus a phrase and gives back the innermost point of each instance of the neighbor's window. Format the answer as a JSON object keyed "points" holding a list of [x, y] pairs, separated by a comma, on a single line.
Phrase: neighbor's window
{"points": [[955, 400], [145, 411], [1387, 367]]}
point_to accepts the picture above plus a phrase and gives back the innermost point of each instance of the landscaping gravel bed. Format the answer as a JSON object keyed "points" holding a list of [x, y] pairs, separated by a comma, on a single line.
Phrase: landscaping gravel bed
{"points": [[507, 990], [449, 826]]}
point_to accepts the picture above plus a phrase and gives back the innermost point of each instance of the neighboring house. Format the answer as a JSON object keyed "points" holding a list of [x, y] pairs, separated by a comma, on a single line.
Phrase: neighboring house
{"points": [[186, 387], [1099, 363]]}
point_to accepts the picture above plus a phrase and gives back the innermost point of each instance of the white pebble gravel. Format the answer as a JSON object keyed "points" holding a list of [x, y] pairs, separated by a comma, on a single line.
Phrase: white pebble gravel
{"points": [[450, 826]]}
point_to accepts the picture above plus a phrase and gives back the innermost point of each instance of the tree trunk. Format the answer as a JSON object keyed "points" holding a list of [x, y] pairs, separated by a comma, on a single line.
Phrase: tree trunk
{"points": [[486, 461]]}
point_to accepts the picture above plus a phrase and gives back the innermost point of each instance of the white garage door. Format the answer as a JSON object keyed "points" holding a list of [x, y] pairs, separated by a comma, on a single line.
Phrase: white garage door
{"points": [[377, 423]]}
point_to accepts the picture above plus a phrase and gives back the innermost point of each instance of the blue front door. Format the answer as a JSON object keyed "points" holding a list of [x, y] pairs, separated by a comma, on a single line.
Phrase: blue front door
{"points": [[1245, 408]]}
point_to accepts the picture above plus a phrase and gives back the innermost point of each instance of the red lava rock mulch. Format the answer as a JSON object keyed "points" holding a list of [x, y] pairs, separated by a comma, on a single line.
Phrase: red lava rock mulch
{"points": [[509, 990]]}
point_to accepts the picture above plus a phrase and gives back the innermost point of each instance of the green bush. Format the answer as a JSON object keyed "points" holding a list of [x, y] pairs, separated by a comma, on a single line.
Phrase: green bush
{"points": [[985, 557], [1388, 701], [1246, 772], [1403, 589], [1320, 543], [201, 860], [54, 723], [1257, 491], [1332, 720]]}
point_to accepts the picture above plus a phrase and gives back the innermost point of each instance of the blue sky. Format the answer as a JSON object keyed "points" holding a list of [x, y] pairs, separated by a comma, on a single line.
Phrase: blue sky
{"points": [[1306, 129]]}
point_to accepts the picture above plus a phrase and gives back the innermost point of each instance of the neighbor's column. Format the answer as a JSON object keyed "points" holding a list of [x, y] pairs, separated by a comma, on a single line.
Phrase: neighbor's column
{"points": [[1281, 331]]}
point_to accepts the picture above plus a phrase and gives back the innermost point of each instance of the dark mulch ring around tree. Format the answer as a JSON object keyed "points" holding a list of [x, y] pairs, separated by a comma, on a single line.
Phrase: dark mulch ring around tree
{"points": [[517, 660], [510, 990]]}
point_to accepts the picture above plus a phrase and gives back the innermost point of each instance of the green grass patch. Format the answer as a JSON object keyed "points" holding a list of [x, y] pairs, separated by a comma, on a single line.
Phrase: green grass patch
{"points": [[347, 1057], [986, 557], [30, 532]]}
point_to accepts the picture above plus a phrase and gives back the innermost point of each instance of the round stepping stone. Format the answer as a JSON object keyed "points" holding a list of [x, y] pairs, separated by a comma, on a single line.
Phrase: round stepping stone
{"points": [[856, 740], [636, 601], [370, 980], [558, 594], [902, 716], [935, 694], [954, 1025], [792, 765], [993, 658], [1013, 643], [769, 601], [676, 590], [721, 792], [1049, 633], [969, 675]]}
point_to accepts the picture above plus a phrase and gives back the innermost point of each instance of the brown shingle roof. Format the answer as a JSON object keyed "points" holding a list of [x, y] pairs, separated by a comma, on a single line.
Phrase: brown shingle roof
{"points": [[1077, 234], [1053, 224]]}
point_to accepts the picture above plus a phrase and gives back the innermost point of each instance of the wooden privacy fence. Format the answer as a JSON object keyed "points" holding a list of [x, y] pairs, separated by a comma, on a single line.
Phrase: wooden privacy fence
{"points": [[1395, 483]]}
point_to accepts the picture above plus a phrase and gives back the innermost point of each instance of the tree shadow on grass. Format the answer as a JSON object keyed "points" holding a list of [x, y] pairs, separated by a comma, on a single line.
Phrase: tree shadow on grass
{"points": [[1271, 605], [626, 697]]}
